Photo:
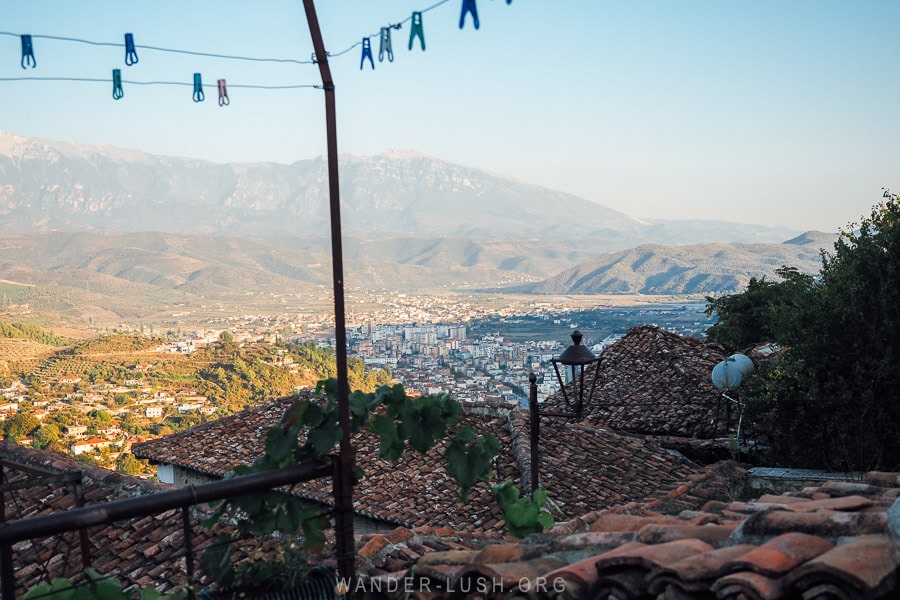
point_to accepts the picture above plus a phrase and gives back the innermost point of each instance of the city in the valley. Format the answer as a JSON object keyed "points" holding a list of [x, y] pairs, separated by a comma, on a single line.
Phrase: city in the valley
{"points": [[477, 349]]}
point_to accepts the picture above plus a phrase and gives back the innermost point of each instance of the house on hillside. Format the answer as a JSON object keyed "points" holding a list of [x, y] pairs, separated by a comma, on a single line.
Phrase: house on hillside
{"points": [[89, 445]]}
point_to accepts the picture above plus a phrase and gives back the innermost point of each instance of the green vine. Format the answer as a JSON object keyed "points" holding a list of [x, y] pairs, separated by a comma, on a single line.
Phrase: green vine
{"points": [[523, 515]]}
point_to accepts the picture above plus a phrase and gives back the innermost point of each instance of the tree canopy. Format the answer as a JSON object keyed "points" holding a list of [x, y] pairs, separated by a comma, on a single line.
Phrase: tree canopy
{"points": [[830, 398]]}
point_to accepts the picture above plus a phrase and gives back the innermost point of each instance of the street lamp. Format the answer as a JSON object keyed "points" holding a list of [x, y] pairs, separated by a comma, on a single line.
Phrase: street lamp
{"points": [[577, 358]]}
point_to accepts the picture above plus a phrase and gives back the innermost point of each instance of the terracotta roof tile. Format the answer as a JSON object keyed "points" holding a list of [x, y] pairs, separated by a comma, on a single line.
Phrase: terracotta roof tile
{"points": [[863, 567], [748, 585], [846, 563], [780, 555], [695, 574]]}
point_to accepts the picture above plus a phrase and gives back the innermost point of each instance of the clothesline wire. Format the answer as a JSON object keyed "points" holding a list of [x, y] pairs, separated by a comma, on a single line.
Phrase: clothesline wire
{"points": [[180, 83], [213, 54], [161, 49]]}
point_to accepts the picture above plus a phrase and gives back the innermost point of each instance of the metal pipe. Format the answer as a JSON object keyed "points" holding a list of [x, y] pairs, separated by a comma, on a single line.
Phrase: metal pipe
{"points": [[343, 505], [535, 417]]}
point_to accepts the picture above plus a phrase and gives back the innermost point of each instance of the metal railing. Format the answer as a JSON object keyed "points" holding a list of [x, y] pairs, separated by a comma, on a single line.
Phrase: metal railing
{"points": [[80, 518]]}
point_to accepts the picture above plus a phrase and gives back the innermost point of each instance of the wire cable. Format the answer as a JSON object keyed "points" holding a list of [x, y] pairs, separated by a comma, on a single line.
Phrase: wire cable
{"points": [[161, 49], [181, 83]]}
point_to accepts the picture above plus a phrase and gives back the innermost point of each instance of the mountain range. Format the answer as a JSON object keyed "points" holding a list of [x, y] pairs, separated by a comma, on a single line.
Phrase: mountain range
{"points": [[79, 216]]}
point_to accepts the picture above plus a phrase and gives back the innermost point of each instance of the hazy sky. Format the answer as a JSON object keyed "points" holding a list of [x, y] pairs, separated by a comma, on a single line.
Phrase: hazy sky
{"points": [[781, 112]]}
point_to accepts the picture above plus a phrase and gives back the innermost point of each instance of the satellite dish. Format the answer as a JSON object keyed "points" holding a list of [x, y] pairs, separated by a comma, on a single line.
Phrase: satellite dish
{"points": [[728, 374], [744, 363]]}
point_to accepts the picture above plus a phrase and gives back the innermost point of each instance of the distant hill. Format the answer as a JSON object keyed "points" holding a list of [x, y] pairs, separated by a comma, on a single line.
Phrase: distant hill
{"points": [[61, 186], [108, 233], [689, 269]]}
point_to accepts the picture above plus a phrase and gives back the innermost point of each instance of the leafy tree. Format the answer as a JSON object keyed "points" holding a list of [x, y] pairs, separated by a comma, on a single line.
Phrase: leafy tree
{"points": [[755, 315], [20, 425], [46, 436], [829, 399], [128, 464]]}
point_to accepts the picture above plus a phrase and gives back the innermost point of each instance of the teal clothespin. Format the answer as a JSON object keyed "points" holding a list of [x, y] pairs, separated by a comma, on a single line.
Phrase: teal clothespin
{"points": [[416, 30], [199, 96], [385, 45], [118, 92], [27, 53], [131, 57], [366, 53]]}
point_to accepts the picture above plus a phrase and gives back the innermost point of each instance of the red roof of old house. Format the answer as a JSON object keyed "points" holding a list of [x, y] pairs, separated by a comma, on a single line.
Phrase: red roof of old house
{"points": [[654, 381]]}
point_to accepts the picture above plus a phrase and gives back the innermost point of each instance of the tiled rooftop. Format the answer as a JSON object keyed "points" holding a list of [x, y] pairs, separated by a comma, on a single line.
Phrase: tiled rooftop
{"points": [[835, 541], [139, 551], [658, 382], [584, 468]]}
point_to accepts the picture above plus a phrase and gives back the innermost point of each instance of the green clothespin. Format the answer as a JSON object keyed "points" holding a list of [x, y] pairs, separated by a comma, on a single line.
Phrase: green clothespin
{"points": [[416, 30], [199, 96], [118, 92]]}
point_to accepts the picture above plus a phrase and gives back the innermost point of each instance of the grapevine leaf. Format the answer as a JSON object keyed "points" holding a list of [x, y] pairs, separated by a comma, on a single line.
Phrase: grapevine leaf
{"points": [[359, 409], [58, 589], [280, 443], [469, 458], [391, 446], [423, 424], [103, 588], [324, 437], [523, 515]]}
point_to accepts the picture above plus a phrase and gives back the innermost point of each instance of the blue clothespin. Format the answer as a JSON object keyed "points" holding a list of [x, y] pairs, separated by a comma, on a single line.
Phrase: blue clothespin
{"points": [[468, 6], [366, 52], [223, 93], [27, 53], [118, 92], [199, 96], [416, 30], [130, 53], [385, 45]]}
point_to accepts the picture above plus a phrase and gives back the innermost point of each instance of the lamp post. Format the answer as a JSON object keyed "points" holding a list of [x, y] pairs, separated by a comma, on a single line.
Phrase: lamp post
{"points": [[577, 358]]}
